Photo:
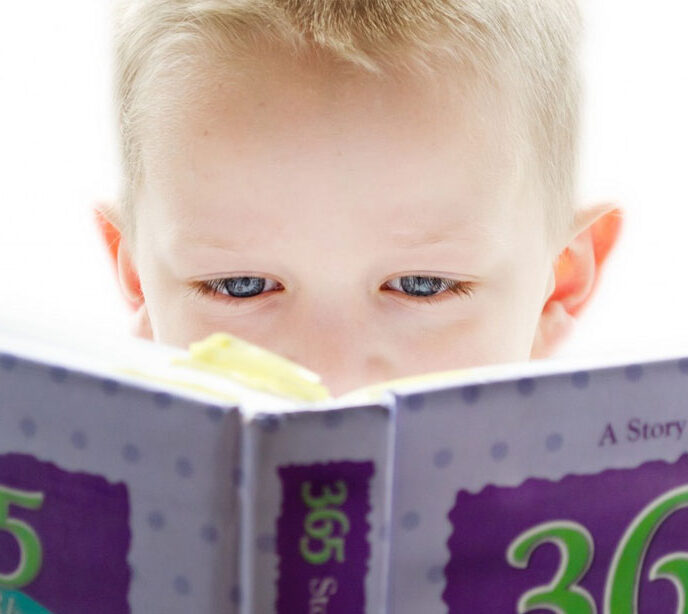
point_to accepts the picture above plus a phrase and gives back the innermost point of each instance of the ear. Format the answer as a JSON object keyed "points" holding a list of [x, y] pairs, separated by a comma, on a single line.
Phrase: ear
{"points": [[110, 229], [576, 275]]}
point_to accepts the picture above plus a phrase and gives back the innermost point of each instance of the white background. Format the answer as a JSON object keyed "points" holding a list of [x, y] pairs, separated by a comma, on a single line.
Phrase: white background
{"points": [[58, 156]]}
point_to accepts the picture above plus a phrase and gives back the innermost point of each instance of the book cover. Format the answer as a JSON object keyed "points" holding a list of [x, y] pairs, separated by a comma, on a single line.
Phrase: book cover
{"points": [[528, 488]]}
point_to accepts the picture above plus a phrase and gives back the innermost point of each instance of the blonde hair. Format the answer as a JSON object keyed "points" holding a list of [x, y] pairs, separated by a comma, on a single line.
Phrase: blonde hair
{"points": [[531, 43]]}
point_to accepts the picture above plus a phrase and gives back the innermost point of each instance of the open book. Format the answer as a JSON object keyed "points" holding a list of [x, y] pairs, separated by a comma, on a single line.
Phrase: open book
{"points": [[139, 478]]}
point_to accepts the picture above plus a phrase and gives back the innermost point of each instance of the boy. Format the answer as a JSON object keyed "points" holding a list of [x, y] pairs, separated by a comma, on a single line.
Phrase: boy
{"points": [[371, 188]]}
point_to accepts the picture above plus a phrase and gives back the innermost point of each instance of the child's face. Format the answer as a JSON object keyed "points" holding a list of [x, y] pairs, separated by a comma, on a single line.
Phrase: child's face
{"points": [[351, 207]]}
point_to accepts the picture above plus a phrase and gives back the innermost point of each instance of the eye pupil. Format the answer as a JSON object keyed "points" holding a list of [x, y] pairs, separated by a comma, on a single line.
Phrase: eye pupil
{"points": [[244, 287], [421, 286]]}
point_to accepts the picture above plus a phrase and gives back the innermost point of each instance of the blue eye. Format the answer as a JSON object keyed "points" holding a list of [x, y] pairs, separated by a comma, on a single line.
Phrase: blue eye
{"points": [[240, 287], [423, 286], [244, 287], [415, 287]]}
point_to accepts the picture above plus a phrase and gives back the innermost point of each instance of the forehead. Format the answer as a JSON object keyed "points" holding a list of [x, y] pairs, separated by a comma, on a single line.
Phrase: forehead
{"points": [[312, 142]]}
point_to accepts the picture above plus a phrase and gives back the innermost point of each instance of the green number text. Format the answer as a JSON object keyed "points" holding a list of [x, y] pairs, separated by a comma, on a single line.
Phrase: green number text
{"points": [[30, 550], [320, 544]]}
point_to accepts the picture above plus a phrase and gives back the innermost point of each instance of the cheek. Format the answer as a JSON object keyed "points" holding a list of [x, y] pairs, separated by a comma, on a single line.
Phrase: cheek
{"points": [[167, 305], [495, 333], [485, 339], [180, 318], [177, 321], [181, 328], [499, 328], [482, 334]]}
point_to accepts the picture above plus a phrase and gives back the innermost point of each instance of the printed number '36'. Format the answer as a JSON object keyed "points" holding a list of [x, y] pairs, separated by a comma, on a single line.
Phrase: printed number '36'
{"points": [[575, 544], [576, 548], [30, 550]]}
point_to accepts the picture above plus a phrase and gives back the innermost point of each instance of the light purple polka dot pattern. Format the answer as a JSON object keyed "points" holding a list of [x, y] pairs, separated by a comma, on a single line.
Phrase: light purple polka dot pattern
{"points": [[410, 520], [435, 574], [333, 419], [163, 400], [183, 467], [554, 442], [526, 386], [182, 585], [580, 380], [79, 440], [499, 451], [442, 458], [415, 402], [214, 413], [633, 373], [131, 453], [209, 534], [28, 427], [470, 394], [268, 424], [156, 520], [110, 387]]}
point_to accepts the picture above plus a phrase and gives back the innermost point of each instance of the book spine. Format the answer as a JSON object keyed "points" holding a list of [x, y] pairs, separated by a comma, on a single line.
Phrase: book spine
{"points": [[316, 506]]}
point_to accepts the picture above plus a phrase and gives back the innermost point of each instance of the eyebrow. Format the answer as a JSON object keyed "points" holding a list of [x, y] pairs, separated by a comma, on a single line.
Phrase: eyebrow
{"points": [[411, 240], [407, 240]]}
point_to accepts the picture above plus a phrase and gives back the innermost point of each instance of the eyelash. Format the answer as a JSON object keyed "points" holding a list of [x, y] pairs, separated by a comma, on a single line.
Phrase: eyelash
{"points": [[214, 287], [450, 286]]}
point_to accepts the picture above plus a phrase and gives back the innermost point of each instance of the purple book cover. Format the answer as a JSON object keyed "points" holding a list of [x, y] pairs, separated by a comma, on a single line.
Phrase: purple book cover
{"points": [[613, 542], [322, 537], [64, 540]]}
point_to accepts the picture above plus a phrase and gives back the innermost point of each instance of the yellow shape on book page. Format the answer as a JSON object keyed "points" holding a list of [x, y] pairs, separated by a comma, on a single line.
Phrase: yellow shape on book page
{"points": [[254, 367]]}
